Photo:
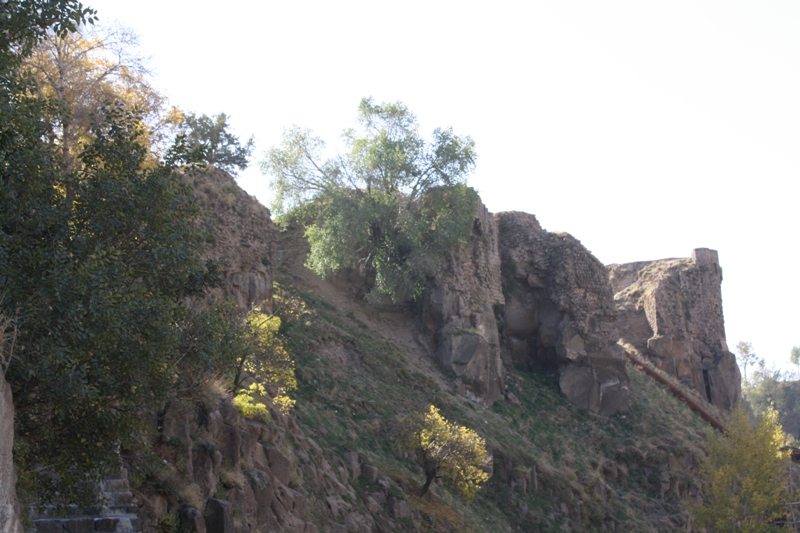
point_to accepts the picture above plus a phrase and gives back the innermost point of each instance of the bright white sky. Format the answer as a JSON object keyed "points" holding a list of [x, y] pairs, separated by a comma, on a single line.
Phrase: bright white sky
{"points": [[644, 129]]}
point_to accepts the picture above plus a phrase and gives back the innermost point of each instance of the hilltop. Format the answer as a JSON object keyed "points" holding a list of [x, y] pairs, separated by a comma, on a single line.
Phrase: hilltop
{"points": [[517, 338]]}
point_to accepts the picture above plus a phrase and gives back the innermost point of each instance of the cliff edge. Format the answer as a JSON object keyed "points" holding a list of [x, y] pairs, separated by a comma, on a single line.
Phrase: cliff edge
{"points": [[671, 311]]}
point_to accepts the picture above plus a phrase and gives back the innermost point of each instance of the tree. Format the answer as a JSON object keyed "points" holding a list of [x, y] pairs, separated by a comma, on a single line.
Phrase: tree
{"points": [[98, 291], [25, 22], [266, 359], [745, 356], [83, 72], [392, 206], [744, 476], [795, 358], [219, 147], [445, 450]]}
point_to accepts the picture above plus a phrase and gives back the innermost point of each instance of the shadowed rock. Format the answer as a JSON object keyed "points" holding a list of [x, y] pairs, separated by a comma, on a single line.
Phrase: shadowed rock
{"points": [[559, 313], [458, 312]]}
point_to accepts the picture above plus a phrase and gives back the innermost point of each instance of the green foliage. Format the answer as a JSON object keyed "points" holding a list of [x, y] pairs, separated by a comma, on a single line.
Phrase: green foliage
{"points": [[218, 146], [770, 388], [25, 22], [98, 279], [446, 450], [744, 476], [393, 206], [794, 357]]}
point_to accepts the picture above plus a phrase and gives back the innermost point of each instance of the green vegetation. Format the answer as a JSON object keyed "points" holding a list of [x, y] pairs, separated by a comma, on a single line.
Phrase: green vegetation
{"points": [[97, 260], [447, 451], [209, 137], [392, 207], [744, 475], [357, 382], [249, 402], [80, 73]]}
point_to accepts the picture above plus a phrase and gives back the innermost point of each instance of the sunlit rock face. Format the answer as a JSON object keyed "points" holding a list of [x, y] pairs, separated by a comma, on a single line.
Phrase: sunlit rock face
{"points": [[240, 238], [559, 313], [671, 310], [459, 312], [9, 506]]}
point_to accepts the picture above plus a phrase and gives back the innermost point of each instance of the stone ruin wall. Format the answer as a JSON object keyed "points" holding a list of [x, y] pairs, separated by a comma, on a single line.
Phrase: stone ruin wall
{"points": [[671, 311], [459, 312], [559, 314], [242, 239]]}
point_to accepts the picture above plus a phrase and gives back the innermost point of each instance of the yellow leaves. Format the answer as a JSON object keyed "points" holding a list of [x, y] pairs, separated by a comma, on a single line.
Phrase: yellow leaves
{"points": [[269, 363], [247, 404], [446, 450], [744, 475]]}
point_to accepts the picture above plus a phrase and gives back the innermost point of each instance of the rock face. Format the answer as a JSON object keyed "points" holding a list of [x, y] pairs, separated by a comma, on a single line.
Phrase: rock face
{"points": [[9, 505], [459, 312], [241, 238], [671, 310], [559, 313]]}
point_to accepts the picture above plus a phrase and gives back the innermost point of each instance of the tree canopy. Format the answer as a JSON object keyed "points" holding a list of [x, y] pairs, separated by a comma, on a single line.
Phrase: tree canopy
{"points": [[96, 265], [210, 137], [744, 476], [81, 73], [445, 450], [393, 205]]}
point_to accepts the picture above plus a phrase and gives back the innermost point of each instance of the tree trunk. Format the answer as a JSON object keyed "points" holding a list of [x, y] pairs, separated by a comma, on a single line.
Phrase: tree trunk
{"points": [[428, 480]]}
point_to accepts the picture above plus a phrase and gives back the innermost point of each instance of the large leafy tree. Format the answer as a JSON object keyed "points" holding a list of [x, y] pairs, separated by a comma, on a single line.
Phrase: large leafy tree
{"points": [[80, 73], [445, 450], [98, 290], [97, 285], [212, 139], [393, 205], [744, 476]]}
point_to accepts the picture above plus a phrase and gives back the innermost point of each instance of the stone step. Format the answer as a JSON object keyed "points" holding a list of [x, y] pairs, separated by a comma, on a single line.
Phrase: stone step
{"points": [[116, 485], [118, 524]]}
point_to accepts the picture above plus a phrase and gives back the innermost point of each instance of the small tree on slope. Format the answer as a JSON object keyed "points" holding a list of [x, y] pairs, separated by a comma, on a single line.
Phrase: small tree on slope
{"points": [[744, 476], [446, 450]]}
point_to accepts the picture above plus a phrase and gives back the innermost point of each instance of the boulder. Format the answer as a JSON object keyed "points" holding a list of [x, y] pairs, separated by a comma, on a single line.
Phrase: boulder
{"points": [[218, 516], [242, 238]]}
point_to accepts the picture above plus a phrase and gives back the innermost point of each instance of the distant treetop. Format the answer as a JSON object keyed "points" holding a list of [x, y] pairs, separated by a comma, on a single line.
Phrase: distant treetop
{"points": [[209, 136]]}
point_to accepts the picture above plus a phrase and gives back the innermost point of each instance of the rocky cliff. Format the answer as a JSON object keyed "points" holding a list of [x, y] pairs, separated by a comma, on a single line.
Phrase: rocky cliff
{"points": [[671, 310], [240, 236], [516, 297], [559, 313], [459, 312]]}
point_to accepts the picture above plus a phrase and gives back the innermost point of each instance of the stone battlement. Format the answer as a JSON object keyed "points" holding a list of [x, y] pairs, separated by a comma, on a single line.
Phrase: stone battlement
{"points": [[705, 256]]}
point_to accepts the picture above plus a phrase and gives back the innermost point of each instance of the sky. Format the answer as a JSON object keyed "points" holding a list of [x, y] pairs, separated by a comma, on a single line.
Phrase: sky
{"points": [[644, 129]]}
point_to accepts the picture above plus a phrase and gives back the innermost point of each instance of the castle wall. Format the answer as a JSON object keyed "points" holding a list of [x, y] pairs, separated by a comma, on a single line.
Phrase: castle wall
{"points": [[559, 314], [671, 310]]}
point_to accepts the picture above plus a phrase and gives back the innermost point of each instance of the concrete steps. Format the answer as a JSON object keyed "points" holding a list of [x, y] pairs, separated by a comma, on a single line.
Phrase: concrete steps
{"points": [[117, 514]]}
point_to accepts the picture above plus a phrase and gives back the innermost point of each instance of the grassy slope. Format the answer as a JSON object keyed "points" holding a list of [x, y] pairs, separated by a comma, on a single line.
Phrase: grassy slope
{"points": [[557, 468]]}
